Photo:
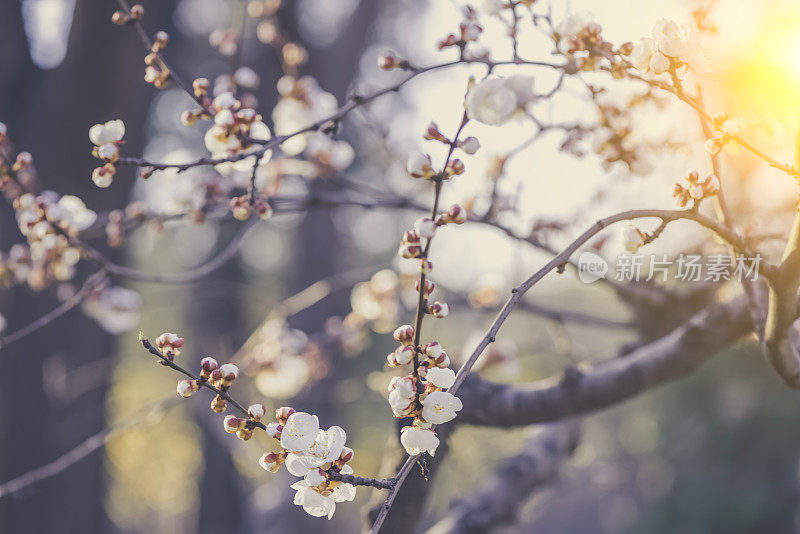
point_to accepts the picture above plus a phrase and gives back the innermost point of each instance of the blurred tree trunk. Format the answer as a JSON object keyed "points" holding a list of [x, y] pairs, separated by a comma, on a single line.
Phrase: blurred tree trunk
{"points": [[49, 114]]}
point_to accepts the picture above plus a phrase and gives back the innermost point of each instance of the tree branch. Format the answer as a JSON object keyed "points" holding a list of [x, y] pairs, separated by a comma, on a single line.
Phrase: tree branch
{"points": [[579, 391], [498, 499]]}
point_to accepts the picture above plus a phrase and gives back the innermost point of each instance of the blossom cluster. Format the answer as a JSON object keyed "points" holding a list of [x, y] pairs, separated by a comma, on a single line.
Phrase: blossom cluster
{"points": [[672, 49], [309, 452], [422, 394], [695, 189], [581, 40], [727, 130], [467, 38], [314, 455], [107, 138]]}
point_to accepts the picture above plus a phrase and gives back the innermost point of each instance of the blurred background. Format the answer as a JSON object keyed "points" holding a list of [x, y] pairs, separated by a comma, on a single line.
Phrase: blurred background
{"points": [[716, 452]]}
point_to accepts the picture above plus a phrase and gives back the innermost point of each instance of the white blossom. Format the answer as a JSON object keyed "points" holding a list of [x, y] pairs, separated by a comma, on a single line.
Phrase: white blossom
{"points": [[440, 407], [109, 132], [676, 41], [418, 440], [495, 100], [70, 213], [313, 503], [300, 431], [116, 309], [315, 477], [659, 63], [299, 464], [441, 378], [642, 52], [328, 444], [633, 238], [108, 152]]}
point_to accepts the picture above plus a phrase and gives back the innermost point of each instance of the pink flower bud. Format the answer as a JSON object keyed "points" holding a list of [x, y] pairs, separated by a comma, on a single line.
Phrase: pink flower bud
{"points": [[409, 251], [425, 266], [283, 413], [271, 461], [207, 366], [274, 430], [456, 214], [169, 344], [404, 334], [404, 354], [389, 60], [434, 349], [229, 372], [256, 412], [455, 167], [439, 309], [432, 133], [346, 455], [232, 424], [429, 286], [187, 387], [218, 404], [411, 237]]}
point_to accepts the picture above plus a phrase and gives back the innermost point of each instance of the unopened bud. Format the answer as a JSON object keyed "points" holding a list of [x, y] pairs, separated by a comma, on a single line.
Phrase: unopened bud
{"points": [[390, 60], [218, 404], [432, 133], [228, 373], [404, 334], [439, 309], [207, 366], [429, 286], [201, 86], [233, 424], [240, 207], [455, 167], [274, 430], [120, 18], [271, 461], [283, 413], [244, 433], [187, 387], [404, 354], [256, 412]]}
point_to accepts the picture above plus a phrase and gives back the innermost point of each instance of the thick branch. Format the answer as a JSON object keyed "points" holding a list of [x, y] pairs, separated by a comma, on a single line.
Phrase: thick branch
{"points": [[579, 391]]}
